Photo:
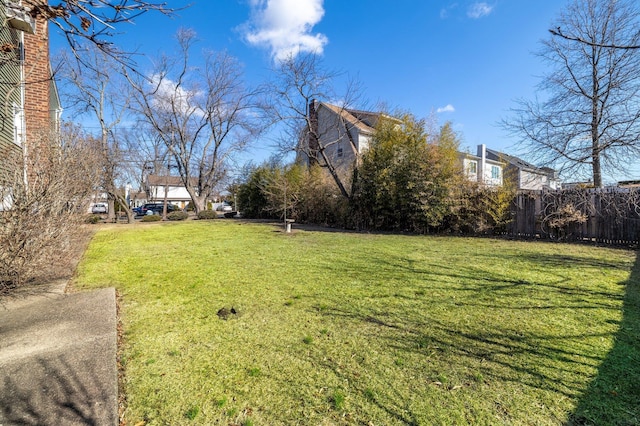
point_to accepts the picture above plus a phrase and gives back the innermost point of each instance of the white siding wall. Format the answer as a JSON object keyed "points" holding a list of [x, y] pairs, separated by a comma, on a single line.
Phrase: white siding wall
{"points": [[333, 137], [537, 181], [488, 177], [173, 193], [364, 142], [467, 164]]}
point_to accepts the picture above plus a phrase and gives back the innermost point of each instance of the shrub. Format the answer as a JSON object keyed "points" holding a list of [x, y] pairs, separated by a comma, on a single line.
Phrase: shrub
{"points": [[207, 214], [179, 215], [151, 218], [563, 219], [92, 219], [39, 220]]}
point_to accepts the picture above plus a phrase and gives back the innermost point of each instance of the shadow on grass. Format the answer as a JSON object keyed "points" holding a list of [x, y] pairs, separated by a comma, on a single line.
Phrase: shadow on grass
{"points": [[613, 397], [538, 358]]}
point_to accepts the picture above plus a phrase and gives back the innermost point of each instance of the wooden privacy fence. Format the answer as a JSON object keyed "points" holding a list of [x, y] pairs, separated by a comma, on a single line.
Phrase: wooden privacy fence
{"points": [[603, 215]]}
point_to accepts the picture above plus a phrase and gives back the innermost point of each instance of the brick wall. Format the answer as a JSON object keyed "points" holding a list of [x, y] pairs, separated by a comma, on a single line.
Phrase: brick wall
{"points": [[37, 75]]}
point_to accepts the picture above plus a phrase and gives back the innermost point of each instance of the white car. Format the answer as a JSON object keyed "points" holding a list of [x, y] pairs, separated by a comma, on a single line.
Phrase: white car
{"points": [[99, 208]]}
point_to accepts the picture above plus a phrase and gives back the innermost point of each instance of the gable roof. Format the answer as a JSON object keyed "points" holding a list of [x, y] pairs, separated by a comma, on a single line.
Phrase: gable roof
{"points": [[353, 119], [520, 163], [156, 180], [469, 156]]}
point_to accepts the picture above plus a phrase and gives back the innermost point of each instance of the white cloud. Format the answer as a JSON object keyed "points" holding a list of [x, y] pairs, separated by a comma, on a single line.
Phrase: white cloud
{"points": [[169, 98], [445, 12], [448, 108], [285, 26], [479, 10]]}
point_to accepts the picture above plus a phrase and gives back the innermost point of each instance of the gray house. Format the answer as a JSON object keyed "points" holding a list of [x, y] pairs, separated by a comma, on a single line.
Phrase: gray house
{"points": [[343, 134]]}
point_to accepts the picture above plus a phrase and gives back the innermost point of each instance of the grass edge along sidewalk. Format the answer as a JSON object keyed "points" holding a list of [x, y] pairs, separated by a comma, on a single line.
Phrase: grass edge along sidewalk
{"points": [[338, 328]]}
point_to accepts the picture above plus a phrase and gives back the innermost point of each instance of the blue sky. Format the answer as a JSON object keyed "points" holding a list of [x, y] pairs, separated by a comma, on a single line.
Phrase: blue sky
{"points": [[466, 61]]}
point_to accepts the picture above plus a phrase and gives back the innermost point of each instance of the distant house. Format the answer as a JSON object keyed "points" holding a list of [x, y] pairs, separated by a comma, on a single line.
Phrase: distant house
{"points": [[176, 192], [483, 169], [527, 176], [489, 168], [342, 133], [345, 134], [138, 199]]}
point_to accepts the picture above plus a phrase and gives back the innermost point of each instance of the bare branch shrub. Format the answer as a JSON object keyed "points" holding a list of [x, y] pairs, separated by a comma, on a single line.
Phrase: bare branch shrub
{"points": [[563, 210], [45, 196], [561, 220]]}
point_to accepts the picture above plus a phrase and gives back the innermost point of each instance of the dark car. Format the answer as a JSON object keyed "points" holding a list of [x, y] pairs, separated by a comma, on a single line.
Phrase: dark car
{"points": [[156, 208]]}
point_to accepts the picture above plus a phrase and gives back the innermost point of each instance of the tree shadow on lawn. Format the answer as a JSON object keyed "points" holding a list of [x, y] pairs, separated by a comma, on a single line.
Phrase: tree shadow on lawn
{"points": [[613, 396], [550, 362]]}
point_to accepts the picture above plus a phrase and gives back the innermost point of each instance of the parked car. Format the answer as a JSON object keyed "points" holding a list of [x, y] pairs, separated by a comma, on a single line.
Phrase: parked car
{"points": [[224, 208], [156, 208], [99, 208], [137, 211]]}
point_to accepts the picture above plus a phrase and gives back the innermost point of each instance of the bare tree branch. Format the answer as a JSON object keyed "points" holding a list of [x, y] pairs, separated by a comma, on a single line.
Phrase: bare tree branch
{"points": [[588, 120], [558, 32], [98, 91], [203, 116], [298, 82], [38, 220], [95, 22]]}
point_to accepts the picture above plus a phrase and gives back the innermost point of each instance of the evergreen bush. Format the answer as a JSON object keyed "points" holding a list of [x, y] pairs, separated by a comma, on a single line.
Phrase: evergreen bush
{"points": [[178, 215], [151, 218], [207, 215]]}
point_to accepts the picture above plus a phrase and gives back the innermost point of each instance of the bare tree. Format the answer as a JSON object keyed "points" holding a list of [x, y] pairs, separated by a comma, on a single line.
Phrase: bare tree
{"points": [[203, 115], [560, 33], [588, 122], [146, 153], [298, 81], [38, 220], [93, 21], [98, 91]]}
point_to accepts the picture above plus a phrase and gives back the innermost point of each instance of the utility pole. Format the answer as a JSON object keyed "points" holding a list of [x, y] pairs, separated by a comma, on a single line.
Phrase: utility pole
{"points": [[166, 189]]}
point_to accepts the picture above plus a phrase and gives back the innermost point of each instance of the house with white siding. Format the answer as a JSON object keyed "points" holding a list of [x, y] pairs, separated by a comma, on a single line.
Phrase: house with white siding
{"points": [[489, 166], [527, 175], [482, 169], [171, 187]]}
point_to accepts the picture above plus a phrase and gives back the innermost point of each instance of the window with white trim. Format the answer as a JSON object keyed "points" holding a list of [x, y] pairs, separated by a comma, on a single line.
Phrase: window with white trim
{"points": [[18, 125]]}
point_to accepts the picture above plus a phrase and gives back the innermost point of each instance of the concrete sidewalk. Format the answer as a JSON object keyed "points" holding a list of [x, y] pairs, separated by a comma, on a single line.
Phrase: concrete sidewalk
{"points": [[58, 359]]}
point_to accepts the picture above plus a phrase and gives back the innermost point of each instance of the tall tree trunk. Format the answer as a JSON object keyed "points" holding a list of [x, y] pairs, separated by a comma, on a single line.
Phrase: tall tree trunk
{"points": [[595, 164]]}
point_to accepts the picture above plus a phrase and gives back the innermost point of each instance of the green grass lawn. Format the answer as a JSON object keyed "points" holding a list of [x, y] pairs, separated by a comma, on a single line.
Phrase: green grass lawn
{"points": [[340, 328]]}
